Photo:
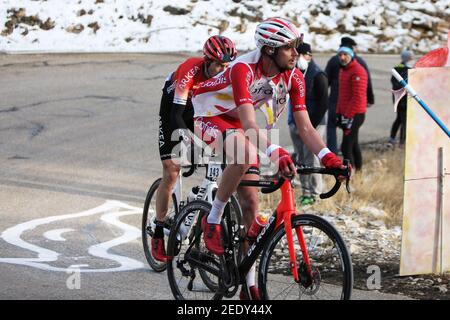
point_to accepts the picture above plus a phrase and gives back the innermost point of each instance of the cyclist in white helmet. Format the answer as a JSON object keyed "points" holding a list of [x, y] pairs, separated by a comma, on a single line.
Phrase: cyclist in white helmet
{"points": [[225, 106]]}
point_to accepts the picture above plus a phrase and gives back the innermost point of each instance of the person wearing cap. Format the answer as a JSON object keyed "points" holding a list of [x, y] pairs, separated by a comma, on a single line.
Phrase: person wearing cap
{"points": [[317, 105], [400, 121], [351, 104], [332, 71]]}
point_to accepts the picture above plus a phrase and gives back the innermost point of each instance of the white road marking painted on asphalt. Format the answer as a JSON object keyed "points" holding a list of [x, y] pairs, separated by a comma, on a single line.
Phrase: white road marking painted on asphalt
{"points": [[55, 235], [112, 211]]}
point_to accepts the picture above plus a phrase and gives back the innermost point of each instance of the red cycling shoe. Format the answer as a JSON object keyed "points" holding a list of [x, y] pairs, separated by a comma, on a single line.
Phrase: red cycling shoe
{"points": [[212, 237], [254, 292], [158, 250]]}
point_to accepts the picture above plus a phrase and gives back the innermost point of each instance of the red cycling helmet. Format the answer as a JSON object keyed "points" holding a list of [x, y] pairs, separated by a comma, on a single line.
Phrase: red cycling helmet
{"points": [[219, 48]]}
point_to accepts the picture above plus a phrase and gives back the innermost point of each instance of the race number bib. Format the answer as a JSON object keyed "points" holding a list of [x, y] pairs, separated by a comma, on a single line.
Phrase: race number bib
{"points": [[214, 171]]}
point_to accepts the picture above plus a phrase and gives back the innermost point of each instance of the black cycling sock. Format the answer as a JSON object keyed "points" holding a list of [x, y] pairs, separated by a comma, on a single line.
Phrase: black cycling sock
{"points": [[159, 230]]}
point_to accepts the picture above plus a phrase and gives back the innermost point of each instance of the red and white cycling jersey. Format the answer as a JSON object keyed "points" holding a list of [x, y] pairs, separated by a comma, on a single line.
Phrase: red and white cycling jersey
{"points": [[186, 79], [244, 82]]}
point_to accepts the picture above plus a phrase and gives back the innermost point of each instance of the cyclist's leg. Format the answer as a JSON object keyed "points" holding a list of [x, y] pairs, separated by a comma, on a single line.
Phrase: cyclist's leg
{"points": [[248, 199], [164, 194], [170, 172], [237, 150], [167, 153], [241, 155]]}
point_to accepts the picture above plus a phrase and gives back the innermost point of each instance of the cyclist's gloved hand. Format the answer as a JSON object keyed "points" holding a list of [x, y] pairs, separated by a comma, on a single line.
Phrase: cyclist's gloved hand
{"points": [[332, 161], [284, 160]]}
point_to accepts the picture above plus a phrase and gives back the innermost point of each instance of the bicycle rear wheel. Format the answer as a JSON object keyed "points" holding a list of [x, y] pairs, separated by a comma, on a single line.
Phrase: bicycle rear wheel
{"points": [[148, 217], [236, 216], [332, 272], [184, 279], [189, 279]]}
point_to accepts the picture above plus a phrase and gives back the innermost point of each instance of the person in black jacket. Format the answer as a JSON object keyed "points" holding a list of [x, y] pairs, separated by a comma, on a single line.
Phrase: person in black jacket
{"points": [[400, 121], [332, 71], [317, 105]]}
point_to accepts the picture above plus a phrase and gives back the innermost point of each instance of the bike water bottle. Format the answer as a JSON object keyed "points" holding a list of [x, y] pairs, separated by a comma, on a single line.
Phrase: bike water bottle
{"points": [[261, 220]]}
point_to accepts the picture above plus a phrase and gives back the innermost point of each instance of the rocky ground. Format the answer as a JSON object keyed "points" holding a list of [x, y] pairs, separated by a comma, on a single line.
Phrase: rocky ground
{"points": [[373, 244]]}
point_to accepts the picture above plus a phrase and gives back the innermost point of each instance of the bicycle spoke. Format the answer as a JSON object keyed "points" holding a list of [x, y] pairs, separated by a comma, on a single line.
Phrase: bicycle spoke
{"points": [[185, 284], [326, 278]]}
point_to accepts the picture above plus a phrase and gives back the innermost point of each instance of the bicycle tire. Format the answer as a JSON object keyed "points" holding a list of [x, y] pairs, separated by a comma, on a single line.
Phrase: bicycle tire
{"points": [[236, 213], [148, 215], [195, 290], [281, 273]]}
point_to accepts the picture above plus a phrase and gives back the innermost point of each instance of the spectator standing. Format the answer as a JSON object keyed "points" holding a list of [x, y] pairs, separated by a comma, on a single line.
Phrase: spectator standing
{"points": [[332, 71], [400, 121], [317, 105], [351, 105]]}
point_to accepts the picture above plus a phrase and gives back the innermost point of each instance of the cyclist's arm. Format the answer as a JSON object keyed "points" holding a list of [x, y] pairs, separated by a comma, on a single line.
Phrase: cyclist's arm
{"points": [[247, 115], [185, 81], [307, 133], [241, 77]]}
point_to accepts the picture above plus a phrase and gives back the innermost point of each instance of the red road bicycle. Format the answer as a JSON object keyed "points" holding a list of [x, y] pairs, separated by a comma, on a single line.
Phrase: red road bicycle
{"points": [[301, 256]]}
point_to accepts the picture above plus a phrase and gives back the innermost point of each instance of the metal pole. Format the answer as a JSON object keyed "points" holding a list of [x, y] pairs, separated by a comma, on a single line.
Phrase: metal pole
{"points": [[420, 101], [441, 204]]}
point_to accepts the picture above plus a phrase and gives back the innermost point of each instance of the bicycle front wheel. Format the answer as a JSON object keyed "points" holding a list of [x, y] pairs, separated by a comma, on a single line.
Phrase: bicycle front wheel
{"points": [[331, 275]]}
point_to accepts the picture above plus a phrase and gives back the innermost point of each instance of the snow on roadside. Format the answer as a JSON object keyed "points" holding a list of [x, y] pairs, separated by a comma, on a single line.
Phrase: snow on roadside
{"points": [[164, 25]]}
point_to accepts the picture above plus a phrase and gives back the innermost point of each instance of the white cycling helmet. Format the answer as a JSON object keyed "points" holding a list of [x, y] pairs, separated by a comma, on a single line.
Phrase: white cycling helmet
{"points": [[277, 32]]}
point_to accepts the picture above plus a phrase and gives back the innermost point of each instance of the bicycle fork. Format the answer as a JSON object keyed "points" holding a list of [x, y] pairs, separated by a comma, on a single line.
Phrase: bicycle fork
{"points": [[288, 209]]}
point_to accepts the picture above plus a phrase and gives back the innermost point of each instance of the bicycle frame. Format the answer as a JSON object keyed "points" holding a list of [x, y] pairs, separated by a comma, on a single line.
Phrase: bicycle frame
{"points": [[206, 188], [283, 214], [233, 273]]}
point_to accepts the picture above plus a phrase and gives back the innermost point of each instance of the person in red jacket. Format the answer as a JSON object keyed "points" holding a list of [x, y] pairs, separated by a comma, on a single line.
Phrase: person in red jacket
{"points": [[351, 105]]}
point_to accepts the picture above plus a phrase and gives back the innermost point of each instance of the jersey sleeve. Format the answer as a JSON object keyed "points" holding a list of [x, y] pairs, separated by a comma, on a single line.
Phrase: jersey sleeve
{"points": [[185, 80], [241, 78], [297, 92]]}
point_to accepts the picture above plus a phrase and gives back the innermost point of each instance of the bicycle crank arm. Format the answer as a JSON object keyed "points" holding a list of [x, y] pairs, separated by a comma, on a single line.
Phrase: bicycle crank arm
{"points": [[199, 259]]}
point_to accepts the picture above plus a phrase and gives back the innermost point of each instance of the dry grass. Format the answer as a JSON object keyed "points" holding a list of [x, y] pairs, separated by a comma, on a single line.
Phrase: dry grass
{"points": [[379, 185]]}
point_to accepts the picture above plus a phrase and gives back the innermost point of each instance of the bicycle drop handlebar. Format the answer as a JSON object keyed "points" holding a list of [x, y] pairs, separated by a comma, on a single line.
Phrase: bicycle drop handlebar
{"points": [[334, 172], [272, 186]]}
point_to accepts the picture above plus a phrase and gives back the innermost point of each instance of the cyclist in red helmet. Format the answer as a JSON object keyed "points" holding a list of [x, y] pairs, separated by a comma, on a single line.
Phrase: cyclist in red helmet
{"points": [[176, 112]]}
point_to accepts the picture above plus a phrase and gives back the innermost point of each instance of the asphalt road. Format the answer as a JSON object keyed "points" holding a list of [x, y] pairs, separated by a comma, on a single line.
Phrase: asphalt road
{"points": [[78, 152]]}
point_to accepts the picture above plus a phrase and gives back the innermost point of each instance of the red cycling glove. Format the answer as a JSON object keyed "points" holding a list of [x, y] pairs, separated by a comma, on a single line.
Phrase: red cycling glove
{"points": [[283, 158], [332, 161]]}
